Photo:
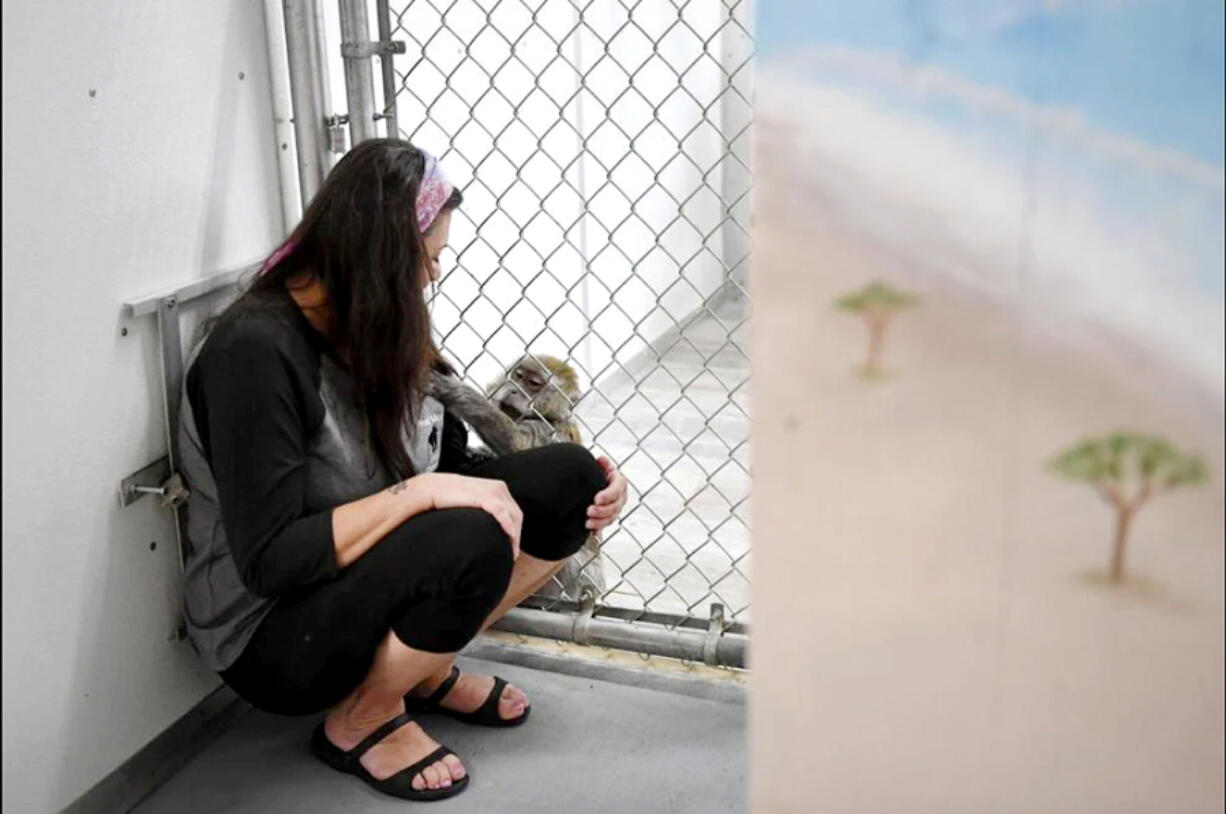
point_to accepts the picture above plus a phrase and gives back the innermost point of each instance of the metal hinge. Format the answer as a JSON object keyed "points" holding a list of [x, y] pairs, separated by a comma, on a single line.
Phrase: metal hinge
{"points": [[365, 50]]}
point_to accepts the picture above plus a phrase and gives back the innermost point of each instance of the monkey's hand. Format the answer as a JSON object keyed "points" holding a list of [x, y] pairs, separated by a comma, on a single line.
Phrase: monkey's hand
{"points": [[472, 407]]}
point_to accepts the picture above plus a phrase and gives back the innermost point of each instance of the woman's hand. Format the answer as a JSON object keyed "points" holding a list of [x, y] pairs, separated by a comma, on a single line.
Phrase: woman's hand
{"points": [[448, 491], [609, 501]]}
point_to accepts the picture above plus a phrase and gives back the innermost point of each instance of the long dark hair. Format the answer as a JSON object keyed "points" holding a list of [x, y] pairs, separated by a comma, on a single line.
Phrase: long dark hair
{"points": [[359, 238]]}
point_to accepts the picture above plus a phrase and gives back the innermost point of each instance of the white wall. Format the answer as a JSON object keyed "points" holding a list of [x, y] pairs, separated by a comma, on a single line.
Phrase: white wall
{"points": [[166, 173]]}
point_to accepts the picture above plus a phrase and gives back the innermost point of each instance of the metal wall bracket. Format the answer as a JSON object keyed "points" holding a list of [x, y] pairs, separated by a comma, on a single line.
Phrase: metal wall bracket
{"points": [[161, 477], [173, 492], [147, 480]]}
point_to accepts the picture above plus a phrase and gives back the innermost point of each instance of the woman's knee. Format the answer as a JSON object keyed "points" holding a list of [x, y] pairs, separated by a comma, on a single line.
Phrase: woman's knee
{"points": [[482, 553], [579, 476], [558, 531]]}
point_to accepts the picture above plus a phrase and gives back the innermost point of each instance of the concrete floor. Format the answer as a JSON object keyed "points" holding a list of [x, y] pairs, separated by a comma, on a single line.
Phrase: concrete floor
{"points": [[591, 746]]}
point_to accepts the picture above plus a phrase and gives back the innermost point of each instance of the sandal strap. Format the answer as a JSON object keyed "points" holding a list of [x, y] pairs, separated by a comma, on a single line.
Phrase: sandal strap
{"points": [[379, 734], [490, 706], [430, 759], [441, 691]]}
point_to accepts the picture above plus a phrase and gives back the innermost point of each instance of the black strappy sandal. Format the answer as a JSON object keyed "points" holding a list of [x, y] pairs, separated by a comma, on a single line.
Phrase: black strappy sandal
{"points": [[398, 785], [484, 715]]}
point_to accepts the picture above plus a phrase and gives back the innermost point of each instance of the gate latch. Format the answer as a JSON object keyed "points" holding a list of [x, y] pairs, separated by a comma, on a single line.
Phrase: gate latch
{"points": [[366, 50], [337, 133]]}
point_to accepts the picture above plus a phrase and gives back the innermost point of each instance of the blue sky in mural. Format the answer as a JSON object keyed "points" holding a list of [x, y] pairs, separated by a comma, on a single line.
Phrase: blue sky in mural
{"points": [[1150, 69]]}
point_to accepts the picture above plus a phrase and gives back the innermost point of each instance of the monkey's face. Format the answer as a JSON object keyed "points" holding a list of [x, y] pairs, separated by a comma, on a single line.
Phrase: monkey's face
{"points": [[529, 388]]}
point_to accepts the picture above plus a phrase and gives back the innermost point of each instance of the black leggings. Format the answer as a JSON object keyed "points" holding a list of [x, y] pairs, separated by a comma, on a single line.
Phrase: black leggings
{"points": [[433, 581]]}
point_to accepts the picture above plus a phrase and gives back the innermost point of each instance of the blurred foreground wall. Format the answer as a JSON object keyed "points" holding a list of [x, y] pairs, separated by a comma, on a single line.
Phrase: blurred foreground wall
{"points": [[988, 426]]}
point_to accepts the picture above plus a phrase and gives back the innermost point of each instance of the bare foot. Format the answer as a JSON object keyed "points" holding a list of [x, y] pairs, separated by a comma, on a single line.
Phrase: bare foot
{"points": [[402, 748], [470, 692]]}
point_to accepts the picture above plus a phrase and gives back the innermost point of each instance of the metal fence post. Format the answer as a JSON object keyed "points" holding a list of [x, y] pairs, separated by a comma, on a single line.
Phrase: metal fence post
{"points": [[357, 50], [308, 95], [735, 53], [282, 111], [388, 69]]}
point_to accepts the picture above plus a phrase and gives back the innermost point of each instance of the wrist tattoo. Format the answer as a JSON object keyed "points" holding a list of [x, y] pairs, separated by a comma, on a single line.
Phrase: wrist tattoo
{"points": [[397, 488]]}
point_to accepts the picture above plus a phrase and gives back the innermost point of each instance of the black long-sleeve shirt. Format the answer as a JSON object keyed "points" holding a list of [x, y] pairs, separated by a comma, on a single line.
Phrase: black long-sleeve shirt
{"points": [[271, 440]]}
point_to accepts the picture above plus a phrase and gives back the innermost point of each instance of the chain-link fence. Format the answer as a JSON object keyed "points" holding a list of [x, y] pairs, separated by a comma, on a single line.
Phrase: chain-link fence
{"points": [[602, 148]]}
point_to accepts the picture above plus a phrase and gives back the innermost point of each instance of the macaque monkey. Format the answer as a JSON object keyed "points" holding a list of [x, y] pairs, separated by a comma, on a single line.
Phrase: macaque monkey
{"points": [[530, 405]]}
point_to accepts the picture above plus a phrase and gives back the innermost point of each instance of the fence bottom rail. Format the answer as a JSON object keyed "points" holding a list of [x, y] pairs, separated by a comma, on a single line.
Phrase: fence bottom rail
{"points": [[714, 646]]}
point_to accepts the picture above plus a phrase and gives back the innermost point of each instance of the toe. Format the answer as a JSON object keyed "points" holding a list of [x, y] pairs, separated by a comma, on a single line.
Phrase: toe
{"points": [[444, 774], [419, 782], [455, 767], [432, 776], [513, 702]]}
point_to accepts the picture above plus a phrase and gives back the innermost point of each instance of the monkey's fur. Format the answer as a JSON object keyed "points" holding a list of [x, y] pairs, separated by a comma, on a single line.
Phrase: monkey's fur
{"points": [[530, 405]]}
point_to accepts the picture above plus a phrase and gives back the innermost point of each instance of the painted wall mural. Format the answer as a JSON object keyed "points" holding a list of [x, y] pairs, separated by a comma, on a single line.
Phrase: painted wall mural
{"points": [[1044, 179]]}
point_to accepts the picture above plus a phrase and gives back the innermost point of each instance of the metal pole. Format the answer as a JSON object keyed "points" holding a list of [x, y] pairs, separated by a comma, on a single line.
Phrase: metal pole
{"points": [[172, 388], [282, 114], [172, 372], [306, 91], [728, 649], [388, 69], [733, 120], [359, 77], [319, 41], [585, 257]]}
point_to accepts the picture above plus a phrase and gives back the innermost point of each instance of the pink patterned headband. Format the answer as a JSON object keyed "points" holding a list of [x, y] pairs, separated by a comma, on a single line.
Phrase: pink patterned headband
{"points": [[432, 195]]}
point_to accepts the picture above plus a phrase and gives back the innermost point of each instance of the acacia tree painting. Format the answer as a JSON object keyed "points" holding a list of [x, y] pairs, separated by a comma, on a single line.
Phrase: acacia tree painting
{"points": [[1128, 470], [877, 304]]}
